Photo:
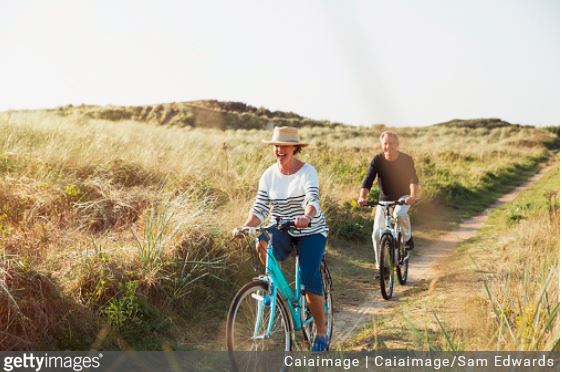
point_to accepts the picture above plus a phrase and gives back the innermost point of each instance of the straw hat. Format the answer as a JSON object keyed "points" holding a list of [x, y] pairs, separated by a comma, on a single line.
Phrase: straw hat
{"points": [[285, 136]]}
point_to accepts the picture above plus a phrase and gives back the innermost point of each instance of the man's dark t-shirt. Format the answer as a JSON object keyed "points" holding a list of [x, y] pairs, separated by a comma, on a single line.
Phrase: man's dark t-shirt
{"points": [[394, 177]]}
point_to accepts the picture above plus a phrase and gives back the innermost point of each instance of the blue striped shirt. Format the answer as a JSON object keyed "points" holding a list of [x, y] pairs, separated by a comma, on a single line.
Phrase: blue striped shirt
{"points": [[287, 196]]}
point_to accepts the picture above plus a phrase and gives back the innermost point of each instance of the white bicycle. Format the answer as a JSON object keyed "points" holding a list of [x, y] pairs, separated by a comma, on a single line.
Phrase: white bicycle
{"points": [[393, 252]]}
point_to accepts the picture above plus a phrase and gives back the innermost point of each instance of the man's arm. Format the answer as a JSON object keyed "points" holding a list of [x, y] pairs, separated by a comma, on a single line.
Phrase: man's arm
{"points": [[367, 183], [410, 200], [363, 194]]}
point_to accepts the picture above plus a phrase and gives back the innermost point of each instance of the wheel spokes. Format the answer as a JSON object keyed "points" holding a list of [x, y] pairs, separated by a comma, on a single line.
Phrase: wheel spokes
{"points": [[251, 323]]}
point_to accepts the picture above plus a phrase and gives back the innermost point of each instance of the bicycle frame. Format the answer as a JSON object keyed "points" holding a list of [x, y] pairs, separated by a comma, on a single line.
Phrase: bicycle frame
{"points": [[277, 282], [391, 228]]}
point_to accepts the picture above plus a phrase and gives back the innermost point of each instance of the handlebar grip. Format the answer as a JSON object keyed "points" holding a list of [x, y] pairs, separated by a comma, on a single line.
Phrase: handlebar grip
{"points": [[374, 204], [286, 226], [246, 230]]}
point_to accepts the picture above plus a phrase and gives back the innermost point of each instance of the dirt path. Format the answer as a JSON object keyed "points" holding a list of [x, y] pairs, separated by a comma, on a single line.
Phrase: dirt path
{"points": [[429, 253]]}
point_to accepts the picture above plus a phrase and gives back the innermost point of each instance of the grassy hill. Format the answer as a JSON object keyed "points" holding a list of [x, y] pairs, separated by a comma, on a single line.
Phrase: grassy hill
{"points": [[201, 114], [114, 231]]}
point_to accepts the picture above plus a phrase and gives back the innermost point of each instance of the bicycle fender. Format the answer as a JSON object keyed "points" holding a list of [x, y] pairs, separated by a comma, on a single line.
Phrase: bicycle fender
{"points": [[384, 232], [329, 274]]}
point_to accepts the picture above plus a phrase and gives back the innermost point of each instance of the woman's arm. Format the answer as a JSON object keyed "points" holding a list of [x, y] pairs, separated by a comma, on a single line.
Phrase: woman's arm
{"points": [[262, 204], [311, 201], [252, 221], [306, 219], [260, 209]]}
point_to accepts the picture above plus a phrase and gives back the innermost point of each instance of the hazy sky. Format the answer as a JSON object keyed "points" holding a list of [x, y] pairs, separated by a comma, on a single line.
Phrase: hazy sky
{"points": [[359, 62]]}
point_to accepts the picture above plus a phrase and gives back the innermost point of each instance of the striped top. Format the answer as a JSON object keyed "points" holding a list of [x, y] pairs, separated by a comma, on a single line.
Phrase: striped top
{"points": [[287, 196]]}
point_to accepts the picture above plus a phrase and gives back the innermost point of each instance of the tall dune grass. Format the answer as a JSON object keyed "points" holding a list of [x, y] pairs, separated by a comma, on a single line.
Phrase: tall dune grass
{"points": [[509, 277], [524, 292], [127, 217]]}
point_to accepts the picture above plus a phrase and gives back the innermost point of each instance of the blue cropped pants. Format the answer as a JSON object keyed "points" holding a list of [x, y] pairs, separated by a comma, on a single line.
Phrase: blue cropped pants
{"points": [[311, 250]]}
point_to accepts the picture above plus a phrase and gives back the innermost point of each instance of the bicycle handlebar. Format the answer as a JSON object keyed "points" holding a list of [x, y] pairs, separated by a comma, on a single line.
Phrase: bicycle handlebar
{"points": [[386, 203], [289, 225], [285, 226], [247, 230]]}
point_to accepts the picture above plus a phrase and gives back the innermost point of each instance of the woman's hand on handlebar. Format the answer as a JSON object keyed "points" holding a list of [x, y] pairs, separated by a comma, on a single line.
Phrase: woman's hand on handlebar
{"points": [[236, 232], [240, 231], [302, 222]]}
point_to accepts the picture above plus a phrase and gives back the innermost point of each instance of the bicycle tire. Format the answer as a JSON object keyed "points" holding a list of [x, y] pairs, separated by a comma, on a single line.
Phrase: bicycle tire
{"points": [[241, 321], [309, 331], [386, 267], [402, 268]]}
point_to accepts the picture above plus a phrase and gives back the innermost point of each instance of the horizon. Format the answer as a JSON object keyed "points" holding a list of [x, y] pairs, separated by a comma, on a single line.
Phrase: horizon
{"points": [[360, 63], [305, 117]]}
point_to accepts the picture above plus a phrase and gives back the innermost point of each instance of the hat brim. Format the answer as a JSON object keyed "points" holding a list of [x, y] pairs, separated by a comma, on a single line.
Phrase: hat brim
{"points": [[284, 143]]}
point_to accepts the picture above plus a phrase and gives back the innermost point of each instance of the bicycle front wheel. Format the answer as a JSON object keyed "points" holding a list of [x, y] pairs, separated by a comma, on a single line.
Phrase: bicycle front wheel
{"points": [[403, 260], [248, 322], [386, 263]]}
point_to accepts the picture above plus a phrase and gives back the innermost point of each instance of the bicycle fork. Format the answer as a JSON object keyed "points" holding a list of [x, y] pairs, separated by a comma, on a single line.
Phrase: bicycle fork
{"points": [[396, 234], [276, 282]]}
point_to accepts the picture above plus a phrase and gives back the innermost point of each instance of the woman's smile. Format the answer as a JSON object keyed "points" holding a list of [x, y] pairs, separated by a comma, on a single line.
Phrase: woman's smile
{"points": [[283, 154]]}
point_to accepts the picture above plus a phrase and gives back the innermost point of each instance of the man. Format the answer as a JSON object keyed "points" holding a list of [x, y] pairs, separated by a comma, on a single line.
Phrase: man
{"points": [[397, 179]]}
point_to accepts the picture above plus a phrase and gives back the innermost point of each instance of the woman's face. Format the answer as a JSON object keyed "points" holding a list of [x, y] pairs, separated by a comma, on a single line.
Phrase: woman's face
{"points": [[284, 154]]}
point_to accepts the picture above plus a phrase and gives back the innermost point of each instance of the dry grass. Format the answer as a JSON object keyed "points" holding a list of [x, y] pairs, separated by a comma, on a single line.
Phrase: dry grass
{"points": [[501, 289], [122, 218], [523, 289]]}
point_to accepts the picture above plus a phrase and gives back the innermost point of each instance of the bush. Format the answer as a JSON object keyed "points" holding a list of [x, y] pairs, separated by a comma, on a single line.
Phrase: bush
{"points": [[345, 221]]}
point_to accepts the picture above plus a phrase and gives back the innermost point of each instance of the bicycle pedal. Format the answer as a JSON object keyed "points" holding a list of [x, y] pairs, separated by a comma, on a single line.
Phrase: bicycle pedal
{"points": [[266, 300]]}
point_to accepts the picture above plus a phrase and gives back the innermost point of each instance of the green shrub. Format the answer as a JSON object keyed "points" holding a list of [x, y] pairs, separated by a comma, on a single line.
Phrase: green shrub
{"points": [[127, 310]]}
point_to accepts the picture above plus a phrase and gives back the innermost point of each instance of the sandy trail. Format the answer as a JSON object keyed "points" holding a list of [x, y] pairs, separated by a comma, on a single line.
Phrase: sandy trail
{"points": [[424, 267]]}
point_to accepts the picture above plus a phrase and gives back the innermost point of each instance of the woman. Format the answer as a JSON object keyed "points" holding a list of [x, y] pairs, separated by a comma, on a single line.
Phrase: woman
{"points": [[289, 190]]}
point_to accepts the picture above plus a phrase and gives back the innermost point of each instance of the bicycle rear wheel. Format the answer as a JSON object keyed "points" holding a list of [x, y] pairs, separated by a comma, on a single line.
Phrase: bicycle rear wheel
{"points": [[309, 329], [248, 320], [386, 263], [403, 260]]}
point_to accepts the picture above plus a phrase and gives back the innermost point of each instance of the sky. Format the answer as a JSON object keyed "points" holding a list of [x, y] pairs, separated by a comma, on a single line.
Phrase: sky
{"points": [[394, 62]]}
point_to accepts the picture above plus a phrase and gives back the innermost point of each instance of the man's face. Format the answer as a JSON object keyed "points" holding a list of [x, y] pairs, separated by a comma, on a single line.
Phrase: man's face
{"points": [[389, 147]]}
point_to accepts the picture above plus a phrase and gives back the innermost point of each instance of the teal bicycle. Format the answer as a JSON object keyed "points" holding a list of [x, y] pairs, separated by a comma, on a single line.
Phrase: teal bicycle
{"points": [[267, 314]]}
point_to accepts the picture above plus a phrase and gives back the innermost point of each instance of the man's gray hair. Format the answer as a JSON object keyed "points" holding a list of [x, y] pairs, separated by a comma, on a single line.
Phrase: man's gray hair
{"points": [[390, 134]]}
